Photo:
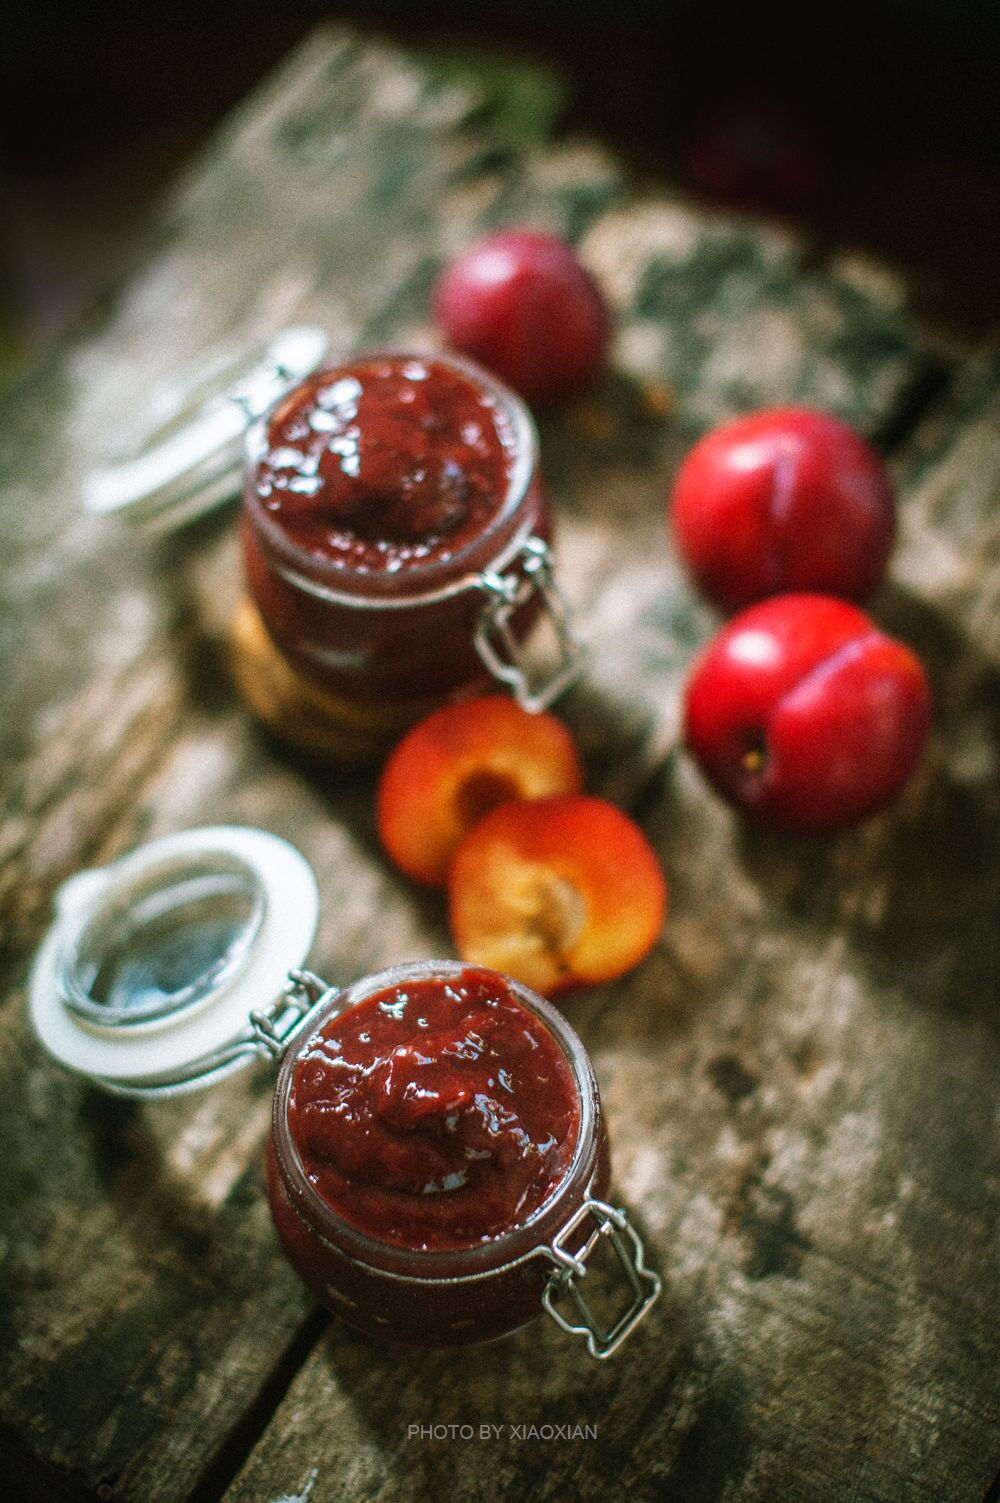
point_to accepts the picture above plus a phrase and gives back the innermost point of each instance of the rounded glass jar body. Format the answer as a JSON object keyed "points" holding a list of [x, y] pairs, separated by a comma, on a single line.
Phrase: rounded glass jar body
{"points": [[432, 1298], [379, 636]]}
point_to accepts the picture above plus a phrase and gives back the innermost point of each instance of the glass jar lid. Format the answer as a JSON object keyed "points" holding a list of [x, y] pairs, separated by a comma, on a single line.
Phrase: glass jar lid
{"points": [[154, 967], [184, 455]]}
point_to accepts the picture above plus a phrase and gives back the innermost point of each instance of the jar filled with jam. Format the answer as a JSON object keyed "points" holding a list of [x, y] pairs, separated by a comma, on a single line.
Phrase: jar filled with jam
{"points": [[438, 1158], [437, 1149], [395, 535]]}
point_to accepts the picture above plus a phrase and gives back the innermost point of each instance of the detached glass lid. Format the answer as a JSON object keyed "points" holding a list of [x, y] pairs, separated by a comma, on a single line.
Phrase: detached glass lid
{"points": [[171, 967]]}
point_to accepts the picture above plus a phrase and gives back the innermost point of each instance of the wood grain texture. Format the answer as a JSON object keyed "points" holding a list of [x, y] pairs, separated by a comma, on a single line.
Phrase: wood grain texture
{"points": [[949, 552], [801, 1079]]}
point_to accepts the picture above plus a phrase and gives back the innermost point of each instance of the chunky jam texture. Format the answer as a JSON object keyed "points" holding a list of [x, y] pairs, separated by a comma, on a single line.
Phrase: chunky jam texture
{"points": [[386, 463], [435, 1115]]}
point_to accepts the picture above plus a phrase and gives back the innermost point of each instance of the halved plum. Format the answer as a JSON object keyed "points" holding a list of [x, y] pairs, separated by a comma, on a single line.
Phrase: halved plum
{"points": [[457, 765], [556, 892]]}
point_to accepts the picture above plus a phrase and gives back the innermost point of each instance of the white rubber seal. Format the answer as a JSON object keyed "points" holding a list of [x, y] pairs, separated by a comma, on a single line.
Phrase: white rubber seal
{"points": [[157, 1049]]}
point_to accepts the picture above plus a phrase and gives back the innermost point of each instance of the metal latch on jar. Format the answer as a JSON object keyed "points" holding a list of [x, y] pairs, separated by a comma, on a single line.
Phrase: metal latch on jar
{"points": [[272, 1028], [499, 648], [270, 1032], [644, 1285]]}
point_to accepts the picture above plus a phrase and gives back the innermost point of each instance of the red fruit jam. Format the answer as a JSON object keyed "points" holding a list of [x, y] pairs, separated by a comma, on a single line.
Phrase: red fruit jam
{"points": [[432, 1134], [386, 462], [379, 497], [435, 1115]]}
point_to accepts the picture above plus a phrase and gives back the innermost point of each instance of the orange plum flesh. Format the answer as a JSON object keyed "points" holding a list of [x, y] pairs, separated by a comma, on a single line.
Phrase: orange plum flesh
{"points": [[457, 765], [556, 893]]}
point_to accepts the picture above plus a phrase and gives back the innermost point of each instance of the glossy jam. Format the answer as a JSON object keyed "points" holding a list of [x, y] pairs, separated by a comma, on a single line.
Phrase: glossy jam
{"points": [[435, 1115], [377, 495], [384, 463], [432, 1134]]}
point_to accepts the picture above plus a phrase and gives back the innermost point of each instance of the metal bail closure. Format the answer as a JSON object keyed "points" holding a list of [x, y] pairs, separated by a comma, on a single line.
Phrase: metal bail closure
{"points": [[643, 1284], [186, 455], [272, 1028], [499, 648]]}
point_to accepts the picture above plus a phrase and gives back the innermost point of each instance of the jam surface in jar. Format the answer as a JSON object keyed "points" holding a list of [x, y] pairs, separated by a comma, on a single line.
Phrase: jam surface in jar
{"points": [[386, 462], [434, 1115]]}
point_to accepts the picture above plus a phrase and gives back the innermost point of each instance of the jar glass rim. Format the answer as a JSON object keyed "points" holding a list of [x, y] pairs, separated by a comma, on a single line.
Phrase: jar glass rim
{"points": [[480, 1257], [427, 575]]}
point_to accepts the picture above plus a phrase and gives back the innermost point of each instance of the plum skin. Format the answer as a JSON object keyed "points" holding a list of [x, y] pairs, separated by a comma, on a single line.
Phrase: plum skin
{"points": [[521, 304], [806, 716], [786, 499]]}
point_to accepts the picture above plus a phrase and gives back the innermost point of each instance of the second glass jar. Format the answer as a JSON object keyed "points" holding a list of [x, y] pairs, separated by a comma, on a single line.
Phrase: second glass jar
{"points": [[383, 604]]}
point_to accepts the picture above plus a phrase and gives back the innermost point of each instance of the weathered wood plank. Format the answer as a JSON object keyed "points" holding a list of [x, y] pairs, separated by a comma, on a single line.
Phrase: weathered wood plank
{"points": [[949, 553], [793, 1077], [729, 313]]}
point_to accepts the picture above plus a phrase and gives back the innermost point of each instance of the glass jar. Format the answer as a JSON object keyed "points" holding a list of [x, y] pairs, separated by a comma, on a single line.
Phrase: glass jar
{"points": [[327, 648], [436, 1298], [442, 623], [178, 964]]}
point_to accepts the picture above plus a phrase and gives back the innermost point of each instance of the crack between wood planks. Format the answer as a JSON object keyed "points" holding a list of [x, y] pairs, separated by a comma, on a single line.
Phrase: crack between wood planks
{"points": [[644, 795], [236, 1448]]}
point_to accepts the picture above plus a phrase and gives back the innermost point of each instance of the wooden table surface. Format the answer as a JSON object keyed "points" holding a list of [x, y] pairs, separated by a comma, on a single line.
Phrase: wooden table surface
{"points": [[801, 1081]]}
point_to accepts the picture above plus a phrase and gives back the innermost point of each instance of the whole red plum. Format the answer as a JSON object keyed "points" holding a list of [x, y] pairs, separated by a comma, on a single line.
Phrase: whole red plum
{"points": [[520, 303], [785, 499], [805, 715]]}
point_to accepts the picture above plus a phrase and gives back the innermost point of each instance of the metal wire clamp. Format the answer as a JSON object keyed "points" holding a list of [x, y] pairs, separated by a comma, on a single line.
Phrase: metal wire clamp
{"points": [[645, 1285], [271, 1029], [500, 649]]}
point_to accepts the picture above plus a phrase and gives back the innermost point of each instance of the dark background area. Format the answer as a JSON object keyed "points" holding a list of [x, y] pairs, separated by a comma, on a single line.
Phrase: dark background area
{"points": [[873, 127]]}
